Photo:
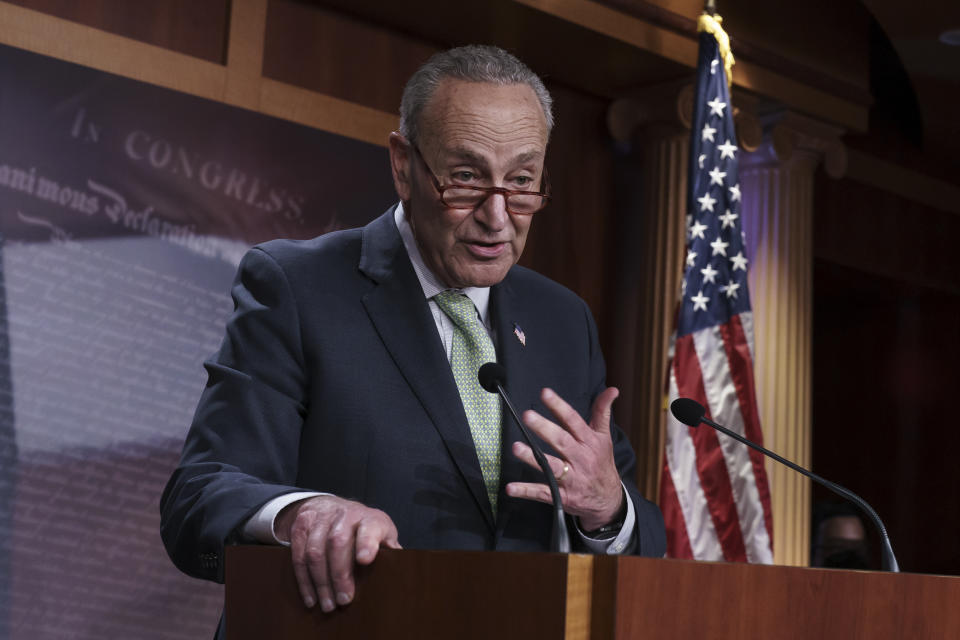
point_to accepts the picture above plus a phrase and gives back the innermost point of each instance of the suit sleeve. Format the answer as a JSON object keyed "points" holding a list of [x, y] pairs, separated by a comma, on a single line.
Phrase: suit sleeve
{"points": [[242, 447], [649, 531]]}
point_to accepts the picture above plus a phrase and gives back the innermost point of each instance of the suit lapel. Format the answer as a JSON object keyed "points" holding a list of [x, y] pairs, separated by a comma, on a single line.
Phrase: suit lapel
{"points": [[400, 314], [509, 320]]}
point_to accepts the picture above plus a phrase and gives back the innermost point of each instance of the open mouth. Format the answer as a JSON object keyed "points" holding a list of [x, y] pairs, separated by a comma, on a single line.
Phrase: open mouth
{"points": [[486, 249]]}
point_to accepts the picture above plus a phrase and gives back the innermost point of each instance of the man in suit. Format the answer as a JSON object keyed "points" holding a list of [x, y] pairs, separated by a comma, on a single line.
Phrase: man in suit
{"points": [[342, 411]]}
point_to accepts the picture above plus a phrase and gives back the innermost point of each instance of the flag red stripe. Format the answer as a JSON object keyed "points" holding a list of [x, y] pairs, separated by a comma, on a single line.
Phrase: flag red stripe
{"points": [[678, 542], [711, 465], [741, 370]]}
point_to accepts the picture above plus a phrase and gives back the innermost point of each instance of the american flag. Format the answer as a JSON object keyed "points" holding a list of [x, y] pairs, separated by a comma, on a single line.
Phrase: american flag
{"points": [[714, 492]]}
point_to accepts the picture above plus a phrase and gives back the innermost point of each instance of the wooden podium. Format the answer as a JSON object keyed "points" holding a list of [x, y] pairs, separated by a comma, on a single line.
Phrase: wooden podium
{"points": [[540, 596]]}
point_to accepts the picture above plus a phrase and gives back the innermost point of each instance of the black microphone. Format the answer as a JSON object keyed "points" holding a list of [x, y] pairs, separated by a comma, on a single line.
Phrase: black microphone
{"points": [[492, 377], [691, 413]]}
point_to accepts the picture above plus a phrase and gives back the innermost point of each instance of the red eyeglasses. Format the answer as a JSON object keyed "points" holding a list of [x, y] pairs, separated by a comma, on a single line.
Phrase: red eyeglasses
{"points": [[462, 196]]}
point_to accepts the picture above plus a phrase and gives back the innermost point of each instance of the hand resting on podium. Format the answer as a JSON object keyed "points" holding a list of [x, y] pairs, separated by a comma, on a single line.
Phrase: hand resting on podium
{"points": [[327, 535]]}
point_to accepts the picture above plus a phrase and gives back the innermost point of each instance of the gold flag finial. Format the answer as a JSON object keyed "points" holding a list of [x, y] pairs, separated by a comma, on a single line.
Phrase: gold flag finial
{"points": [[712, 25]]}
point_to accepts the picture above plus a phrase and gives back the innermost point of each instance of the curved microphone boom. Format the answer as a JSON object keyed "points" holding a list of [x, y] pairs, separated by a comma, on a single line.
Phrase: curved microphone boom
{"points": [[492, 377], [691, 413]]}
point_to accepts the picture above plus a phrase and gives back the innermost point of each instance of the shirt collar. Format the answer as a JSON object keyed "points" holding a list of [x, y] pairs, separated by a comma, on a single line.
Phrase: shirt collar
{"points": [[429, 282]]}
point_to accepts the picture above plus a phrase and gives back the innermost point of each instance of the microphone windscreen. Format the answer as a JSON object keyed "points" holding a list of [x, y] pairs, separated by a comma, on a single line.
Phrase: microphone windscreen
{"points": [[689, 412], [490, 374]]}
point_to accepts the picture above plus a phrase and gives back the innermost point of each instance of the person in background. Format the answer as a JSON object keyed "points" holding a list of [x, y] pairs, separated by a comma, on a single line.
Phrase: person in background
{"points": [[839, 538]]}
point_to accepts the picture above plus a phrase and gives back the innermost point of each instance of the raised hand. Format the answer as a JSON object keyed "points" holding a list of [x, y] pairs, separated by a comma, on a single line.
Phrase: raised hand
{"points": [[590, 486]]}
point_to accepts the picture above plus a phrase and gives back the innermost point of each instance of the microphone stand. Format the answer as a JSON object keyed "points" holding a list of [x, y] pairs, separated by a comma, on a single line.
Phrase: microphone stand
{"points": [[560, 536], [889, 560]]}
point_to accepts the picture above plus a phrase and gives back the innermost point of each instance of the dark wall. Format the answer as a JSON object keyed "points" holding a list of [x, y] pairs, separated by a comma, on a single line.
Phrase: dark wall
{"points": [[886, 347]]}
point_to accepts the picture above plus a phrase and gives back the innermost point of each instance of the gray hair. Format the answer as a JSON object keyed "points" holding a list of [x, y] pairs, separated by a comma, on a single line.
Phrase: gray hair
{"points": [[473, 63]]}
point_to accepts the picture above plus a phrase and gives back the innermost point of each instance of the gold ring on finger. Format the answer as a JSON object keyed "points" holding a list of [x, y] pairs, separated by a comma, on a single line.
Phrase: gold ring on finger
{"points": [[566, 468]]}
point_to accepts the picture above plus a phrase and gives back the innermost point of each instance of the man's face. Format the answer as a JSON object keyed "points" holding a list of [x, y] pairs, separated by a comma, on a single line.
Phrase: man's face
{"points": [[474, 134]]}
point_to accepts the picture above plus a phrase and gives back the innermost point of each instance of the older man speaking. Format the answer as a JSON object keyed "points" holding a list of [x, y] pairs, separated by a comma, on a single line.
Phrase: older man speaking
{"points": [[343, 412]]}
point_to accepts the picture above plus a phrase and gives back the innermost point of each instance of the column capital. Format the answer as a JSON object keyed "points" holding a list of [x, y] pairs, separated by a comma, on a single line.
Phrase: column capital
{"points": [[790, 138], [666, 110]]}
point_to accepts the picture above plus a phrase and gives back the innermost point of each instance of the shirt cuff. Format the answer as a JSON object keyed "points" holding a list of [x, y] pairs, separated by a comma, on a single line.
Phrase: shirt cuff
{"points": [[619, 544], [260, 526]]}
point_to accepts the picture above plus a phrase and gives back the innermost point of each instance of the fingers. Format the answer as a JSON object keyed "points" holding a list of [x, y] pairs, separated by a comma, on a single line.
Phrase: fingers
{"points": [[591, 486], [370, 535], [298, 550], [559, 439], [327, 538], [341, 544], [307, 548], [525, 454], [533, 491], [602, 408], [564, 413]]}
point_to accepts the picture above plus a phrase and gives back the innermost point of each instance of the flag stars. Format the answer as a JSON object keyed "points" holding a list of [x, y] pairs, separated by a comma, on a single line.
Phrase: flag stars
{"points": [[717, 176], [719, 247], [706, 202], [716, 106], [699, 301], [739, 261], [709, 274], [730, 289], [728, 219], [696, 231], [727, 150]]}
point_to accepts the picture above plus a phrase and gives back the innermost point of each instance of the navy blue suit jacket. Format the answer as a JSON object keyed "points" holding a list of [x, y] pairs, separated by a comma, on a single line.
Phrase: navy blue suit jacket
{"points": [[332, 377]]}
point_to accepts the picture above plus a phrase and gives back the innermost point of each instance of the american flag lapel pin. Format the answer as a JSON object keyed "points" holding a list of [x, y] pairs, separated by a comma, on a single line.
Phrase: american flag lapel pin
{"points": [[517, 331]]}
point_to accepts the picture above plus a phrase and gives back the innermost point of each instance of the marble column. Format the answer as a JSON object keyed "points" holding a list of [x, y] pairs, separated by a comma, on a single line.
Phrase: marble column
{"points": [[777, 184], [653, 138]]}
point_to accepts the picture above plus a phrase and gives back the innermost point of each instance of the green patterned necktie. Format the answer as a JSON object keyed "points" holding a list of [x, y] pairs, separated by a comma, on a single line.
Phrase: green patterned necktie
{"points": [[472, 348]]}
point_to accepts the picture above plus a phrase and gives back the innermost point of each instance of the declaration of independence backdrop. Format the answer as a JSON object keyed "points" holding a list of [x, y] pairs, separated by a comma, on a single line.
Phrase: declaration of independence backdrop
{"points": [[124, 211]]}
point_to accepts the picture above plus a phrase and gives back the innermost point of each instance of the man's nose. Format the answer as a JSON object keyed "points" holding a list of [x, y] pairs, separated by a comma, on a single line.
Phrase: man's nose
{"points": [[492, 212]]}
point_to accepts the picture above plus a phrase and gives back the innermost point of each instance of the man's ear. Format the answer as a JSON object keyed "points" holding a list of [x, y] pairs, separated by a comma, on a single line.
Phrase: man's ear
{"points": [[400, 165]]}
